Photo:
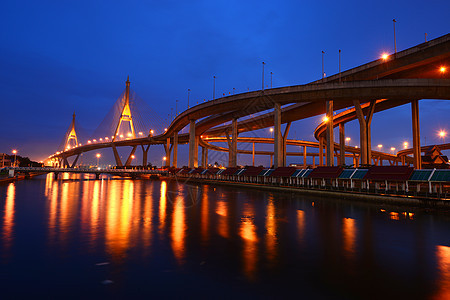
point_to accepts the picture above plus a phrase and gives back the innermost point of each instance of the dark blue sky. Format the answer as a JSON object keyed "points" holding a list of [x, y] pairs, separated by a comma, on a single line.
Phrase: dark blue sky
{"points": [[57, 57]]}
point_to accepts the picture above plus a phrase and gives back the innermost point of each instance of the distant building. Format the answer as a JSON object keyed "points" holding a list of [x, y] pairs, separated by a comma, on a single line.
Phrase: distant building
{"points": [[433, 158], [5, 160]]}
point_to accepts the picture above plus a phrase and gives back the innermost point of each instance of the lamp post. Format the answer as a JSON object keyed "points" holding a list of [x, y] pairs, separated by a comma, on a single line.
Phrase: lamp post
{"points": [[271, 132], [442, 135], [405, 145], [15, 156], [323, 70], [392, 150], [214, 87], [98, 158], [263, 63], [189, 92], [271, 75], [379, 147], [395, 41], [162, 162], [348, 139]]}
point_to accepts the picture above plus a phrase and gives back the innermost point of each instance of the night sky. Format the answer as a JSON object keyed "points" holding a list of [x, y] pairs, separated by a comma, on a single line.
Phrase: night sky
{"points": [[57, 57]]}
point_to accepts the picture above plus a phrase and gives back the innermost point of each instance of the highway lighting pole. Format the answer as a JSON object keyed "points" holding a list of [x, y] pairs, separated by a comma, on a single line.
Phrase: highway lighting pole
{"points": [[395, 41], [15, 156], [323, 70], [426, 37], [271, 74], [339, 65], [176, 107], [263, 63], [214, 87], [98, 158], [189, 92]]}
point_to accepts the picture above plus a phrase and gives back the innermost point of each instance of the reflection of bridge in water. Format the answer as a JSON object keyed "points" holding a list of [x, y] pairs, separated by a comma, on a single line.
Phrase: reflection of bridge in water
{"points": [[405, 77]]}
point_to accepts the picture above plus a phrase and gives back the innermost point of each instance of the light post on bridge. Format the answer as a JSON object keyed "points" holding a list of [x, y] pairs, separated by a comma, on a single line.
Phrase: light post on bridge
{"points": [[442, 135], [98, 155], [189, 92], [15, 156]]}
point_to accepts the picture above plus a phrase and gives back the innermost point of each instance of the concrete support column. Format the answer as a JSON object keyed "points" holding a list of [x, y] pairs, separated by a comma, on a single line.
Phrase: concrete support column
{"points": [[416, 134], [285, 135], [304, 157], [116, 156], [330, 133], [341, 144], [167, 148], [204, 157], [233, 149], [364, 130], [175, 149], [130, 157], [253, 155], [320, 151], [277, 142], [144, 154], [193, 162]]}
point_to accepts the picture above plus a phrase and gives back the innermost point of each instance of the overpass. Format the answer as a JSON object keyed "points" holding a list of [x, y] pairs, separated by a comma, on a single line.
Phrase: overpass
{"points": [[405, 77]]}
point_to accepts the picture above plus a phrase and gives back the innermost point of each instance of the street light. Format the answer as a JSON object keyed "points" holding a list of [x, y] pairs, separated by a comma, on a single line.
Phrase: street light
{"points": [[379, 147], [271, 132], [163, 160], [442, 135], [405, 145], [348, 139], [325, 119], [98, 158], [15, 156], [384, 56], [392, 150]]}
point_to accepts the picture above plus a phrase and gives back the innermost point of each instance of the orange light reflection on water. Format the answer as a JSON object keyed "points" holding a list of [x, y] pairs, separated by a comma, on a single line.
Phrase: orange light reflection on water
{"points": [[222, 212], [178, 230], [205, 214], [119, 219], [162, 206], [301, 224], [8, 218], [250, 241], [271, 231], [349, 236], [443, 261]]}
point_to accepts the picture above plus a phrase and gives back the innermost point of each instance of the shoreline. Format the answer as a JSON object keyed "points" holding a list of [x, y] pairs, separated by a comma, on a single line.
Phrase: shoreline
{"points": [[416, 201]]}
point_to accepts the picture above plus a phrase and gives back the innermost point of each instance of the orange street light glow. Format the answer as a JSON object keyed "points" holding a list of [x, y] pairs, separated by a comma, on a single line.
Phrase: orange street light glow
{"points": [[14, 151], [325, 119], [348, 139], [442, 133], [384, 56], [380, 146], [271, 129], [392, 148], [442, 69], [164, 158], [98, 155]]}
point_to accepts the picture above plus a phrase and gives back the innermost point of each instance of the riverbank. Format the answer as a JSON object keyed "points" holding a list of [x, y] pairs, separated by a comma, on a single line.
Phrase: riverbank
{"points": [[18, 177], [392, 199]]}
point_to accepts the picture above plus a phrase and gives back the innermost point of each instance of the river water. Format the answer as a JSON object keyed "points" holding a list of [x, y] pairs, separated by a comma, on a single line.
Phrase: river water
{"points": [[77, 237]]}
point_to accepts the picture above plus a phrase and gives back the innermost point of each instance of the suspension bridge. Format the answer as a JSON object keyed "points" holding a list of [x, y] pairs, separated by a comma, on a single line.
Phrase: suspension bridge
{"points": [[406, 77]]}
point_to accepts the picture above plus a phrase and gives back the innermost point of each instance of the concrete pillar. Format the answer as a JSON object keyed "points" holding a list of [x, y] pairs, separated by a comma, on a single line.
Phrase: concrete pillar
{"points": [[192, 150], [167, 148], [130, 157], [233, 150], [304, 157], [175, 149], [253, 154], [144, 154], [320, 151], [277, 142], [116, 156], [341, 144], [416, 134], [330, 133], [271, 161], [204, 157], [285, 135], [364, 130]]}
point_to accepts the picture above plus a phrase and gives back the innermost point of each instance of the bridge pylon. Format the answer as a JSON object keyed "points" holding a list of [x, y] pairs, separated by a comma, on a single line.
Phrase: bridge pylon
{"points": [[125, 115], [72, 135]]}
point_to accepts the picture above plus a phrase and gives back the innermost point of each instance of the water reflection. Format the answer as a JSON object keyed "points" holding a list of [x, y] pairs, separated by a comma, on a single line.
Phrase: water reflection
{"points": [[250, 241], [349, 236], [8, 219], [119, 218], [271, 231], [443, 260], [235, 233], [178, 229]]}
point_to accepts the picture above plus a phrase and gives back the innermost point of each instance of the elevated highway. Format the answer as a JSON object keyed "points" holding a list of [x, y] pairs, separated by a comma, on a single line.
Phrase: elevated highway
{"points": [[407, 76]]}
